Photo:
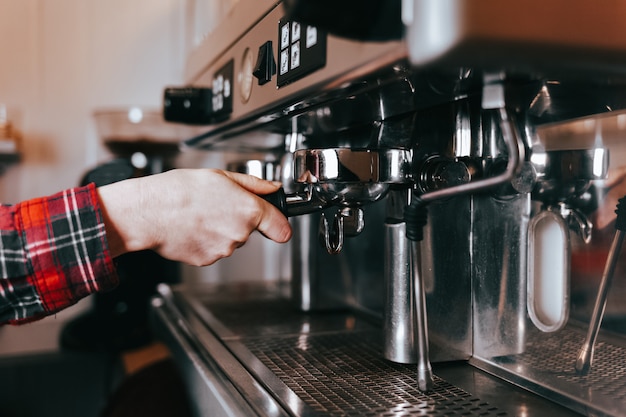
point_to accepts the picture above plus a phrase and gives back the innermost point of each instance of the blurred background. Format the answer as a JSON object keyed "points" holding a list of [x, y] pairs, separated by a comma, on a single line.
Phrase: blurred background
{"points": [[61, 61]]}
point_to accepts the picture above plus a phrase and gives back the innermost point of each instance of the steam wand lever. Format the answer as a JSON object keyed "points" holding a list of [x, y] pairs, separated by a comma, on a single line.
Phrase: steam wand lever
{"points": [[415, 217], [585, 355]]}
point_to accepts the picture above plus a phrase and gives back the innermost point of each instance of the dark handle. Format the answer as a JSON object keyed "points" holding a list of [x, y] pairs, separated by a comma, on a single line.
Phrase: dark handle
{"points": [[278, 199], [620, 211]]}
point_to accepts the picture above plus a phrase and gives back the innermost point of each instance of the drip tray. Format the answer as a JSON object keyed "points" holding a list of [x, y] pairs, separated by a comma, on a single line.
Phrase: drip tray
{"points": [[345, 375], [547, 367], [331, 364]]}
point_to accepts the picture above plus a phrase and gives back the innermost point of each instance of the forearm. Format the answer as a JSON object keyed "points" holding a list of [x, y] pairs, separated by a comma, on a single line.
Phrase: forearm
{"points": [[59, 249], [55, 253], [126, 215]]}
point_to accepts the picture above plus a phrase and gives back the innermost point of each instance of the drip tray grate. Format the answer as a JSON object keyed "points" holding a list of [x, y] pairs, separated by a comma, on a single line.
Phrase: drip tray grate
{"points": [[548, 366], [345, 375], [557, 356]]}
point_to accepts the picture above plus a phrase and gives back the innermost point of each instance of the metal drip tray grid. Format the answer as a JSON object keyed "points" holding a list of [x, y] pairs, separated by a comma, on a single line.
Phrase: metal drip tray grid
{"points": [[548, 367], [345, 375], [331, 364]]}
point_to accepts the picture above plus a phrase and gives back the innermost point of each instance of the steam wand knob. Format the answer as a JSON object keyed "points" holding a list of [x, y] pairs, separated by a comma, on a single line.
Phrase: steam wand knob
{"points": [[415, 217], [585, 354]]}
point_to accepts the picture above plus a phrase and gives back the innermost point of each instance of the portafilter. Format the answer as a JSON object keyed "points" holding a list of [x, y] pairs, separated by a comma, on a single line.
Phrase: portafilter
{"points": [[344, 178]]}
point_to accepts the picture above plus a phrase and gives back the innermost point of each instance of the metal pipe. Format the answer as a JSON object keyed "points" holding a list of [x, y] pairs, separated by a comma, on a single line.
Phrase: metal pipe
{"points": [[585, 355], [424, 370], [516, 154]]}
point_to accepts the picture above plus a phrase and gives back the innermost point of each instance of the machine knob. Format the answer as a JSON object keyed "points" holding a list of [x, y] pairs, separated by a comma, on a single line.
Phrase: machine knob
{"points": [[367, 20], [441, 173], [265, 66]]}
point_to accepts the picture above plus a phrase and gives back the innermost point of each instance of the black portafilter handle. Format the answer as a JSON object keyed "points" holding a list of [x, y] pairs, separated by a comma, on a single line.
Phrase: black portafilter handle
{"points": [[278, 199]]}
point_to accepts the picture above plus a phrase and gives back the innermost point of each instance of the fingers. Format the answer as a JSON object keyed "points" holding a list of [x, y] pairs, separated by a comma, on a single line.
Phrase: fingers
{"points": [[272, 223], [253, 184]]}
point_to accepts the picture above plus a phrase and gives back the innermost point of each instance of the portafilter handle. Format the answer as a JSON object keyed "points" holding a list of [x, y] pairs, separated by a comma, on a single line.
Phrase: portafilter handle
{"points": [[295, 204], [348, 221], [278, 199]]}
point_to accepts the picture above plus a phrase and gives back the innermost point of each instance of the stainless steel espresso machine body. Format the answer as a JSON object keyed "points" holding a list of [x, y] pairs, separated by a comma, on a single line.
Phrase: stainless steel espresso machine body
{"points": [[444, 207]]}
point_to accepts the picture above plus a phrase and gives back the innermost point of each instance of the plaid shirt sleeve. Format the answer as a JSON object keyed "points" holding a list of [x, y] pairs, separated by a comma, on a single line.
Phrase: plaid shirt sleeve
{"points": [[53, 252]]}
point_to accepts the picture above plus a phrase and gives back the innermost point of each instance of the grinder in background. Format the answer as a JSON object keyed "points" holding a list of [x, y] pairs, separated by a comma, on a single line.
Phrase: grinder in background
{"points": [[119, 319]]}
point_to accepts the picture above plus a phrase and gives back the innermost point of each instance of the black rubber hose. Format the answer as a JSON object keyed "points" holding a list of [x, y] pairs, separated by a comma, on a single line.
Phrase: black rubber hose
{"points": [[415, 218]]}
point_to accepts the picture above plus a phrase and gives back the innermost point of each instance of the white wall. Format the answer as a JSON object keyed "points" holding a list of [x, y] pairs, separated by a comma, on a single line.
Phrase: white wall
{"points": [[62, 59], [59, 61]]}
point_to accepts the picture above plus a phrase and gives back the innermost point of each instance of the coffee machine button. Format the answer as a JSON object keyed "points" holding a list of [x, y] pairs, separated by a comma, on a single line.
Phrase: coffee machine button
{"points": [[265, 66]]}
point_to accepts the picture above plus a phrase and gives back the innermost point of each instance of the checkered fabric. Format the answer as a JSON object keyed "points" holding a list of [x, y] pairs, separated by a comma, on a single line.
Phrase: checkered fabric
{"points": [[53, 252]]}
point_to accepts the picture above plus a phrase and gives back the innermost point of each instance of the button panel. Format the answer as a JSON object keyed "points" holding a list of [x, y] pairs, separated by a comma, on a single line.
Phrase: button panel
{"points": [[223, 90], [302, 50]]}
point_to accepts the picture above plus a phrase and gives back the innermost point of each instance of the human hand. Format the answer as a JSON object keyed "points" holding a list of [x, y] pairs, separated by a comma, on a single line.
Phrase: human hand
{"points": [[195, 216]]}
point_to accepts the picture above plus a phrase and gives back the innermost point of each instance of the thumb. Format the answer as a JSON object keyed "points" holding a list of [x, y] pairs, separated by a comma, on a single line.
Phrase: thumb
{"points": [[272, 223]]}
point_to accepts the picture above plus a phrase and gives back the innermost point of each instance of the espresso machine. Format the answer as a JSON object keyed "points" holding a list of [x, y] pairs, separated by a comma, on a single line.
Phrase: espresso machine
{"points": [[441, 209]]}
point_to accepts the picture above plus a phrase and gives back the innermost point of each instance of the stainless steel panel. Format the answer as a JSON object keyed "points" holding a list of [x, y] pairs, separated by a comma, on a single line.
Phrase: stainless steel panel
{"points": [[499, 236], [398, 323], [446, 270]]}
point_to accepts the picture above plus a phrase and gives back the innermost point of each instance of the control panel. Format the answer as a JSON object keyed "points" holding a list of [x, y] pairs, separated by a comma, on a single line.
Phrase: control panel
{"points": [[222, 87], [273, 61], [302, 50]]}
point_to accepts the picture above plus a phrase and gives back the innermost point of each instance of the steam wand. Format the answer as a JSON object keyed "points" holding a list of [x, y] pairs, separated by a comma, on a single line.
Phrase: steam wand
{"points": [[415, 216], [585, 355]]}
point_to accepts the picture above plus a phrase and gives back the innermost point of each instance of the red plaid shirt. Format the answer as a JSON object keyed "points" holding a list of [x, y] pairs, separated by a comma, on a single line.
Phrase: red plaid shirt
{"points": [[53, 252]]}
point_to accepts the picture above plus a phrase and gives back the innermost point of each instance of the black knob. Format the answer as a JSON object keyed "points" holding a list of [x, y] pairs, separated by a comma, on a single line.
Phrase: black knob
{"points": [[368, 20], [265, 66]]}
